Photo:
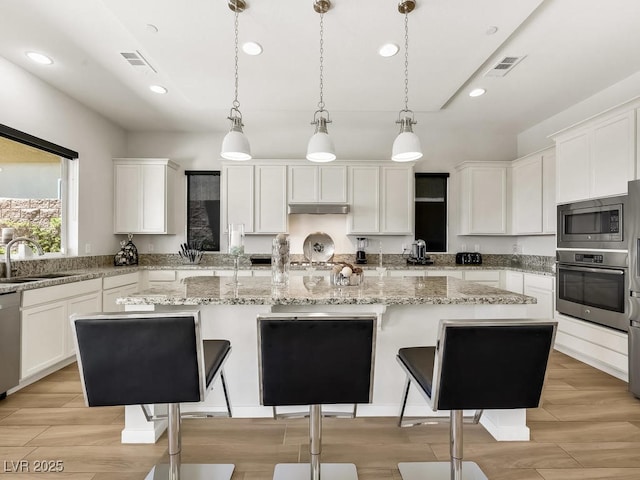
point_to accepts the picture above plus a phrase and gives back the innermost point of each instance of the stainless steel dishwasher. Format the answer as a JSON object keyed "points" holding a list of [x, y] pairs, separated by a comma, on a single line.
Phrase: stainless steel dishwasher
{"points": [[9, 342]]}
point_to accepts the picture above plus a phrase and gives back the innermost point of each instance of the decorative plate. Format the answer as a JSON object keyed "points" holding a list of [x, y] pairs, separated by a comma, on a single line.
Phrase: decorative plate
{"points": [[318, 247]]}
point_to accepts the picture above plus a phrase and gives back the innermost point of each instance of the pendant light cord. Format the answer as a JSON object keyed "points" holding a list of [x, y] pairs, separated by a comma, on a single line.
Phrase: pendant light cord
{"points": [[321, 102], [236, 103], [406, 62]]}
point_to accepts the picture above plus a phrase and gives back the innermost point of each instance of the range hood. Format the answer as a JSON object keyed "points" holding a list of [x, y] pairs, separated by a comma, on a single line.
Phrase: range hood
{"points": [[318, 208]]}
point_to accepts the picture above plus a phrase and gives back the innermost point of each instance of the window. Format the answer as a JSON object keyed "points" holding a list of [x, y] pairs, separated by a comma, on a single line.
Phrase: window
{"points": [[431, 210], [34, 189], [203, 210]]}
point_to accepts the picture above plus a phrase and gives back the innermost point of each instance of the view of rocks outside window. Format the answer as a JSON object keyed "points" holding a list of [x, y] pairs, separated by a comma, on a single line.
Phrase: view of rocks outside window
{"points": [[30, 197]]}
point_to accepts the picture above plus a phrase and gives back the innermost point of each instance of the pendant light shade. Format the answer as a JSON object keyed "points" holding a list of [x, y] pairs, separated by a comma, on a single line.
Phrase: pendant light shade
{"points": [[320, 148], [235, 145], [406, 146]]}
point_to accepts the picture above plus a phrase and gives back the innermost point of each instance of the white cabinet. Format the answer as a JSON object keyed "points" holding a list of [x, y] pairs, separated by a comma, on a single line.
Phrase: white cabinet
{"points": [[484, 198], [598, 157], [256, 196], [533, 194], [541, 287], [514, 282], [381, 200], [490, 278], [317, 184], [445, 273], [144, 190], [46, 331], [118, 286]]}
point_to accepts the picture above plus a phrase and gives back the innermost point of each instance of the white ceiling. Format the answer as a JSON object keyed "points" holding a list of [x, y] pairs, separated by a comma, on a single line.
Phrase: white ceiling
{"points": [[573, 48]]}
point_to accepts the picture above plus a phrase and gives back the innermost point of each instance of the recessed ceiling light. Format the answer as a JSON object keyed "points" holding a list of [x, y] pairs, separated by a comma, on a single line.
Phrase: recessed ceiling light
{"points": [[252, 48], [40, 58], [158, 89], [151, 28], [476, 92], [388, 50]]}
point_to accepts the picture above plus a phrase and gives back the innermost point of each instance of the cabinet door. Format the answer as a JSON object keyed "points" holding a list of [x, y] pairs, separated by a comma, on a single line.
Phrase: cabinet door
{"points": [[484, 200], [109, 300], [90, 303], [364, 196], [527, 180], [270, 199], [445, 273], [572, 168], [303, 184], [128, 209], [613, 159], [549, 210], [332, 186], [154, 205], [44, 337], [514, 282], [397, 190], [542, 288], [237, 183]]}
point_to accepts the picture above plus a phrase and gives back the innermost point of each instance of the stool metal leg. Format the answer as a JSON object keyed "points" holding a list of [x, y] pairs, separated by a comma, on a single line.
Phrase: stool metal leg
{"points": [[456, 444], [175, 441], [315, 439], [404, 400], [226, 392]]}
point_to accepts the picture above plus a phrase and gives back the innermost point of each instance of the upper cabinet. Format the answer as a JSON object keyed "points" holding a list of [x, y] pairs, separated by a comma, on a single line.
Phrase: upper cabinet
{"points": [[144, 190], [598, 157], [484, 198], [317, 184], [255, 195], [533, 194], [381, 200]]}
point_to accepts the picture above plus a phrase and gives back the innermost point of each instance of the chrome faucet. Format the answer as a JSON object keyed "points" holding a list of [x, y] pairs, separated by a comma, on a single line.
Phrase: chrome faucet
{"points": [[7, 252]]}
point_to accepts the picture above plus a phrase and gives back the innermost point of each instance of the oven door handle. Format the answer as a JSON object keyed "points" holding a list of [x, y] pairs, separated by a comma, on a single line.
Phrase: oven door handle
{"points": [[591, 270]]}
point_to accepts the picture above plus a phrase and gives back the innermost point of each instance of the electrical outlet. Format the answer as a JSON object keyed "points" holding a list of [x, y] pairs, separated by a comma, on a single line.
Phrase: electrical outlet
{"points": [[150, 247], [87, 248]]}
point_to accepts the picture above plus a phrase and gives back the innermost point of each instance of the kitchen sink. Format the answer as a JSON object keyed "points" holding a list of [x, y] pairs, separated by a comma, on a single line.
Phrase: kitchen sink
{"points": [[52, 275], [17, 280], [35, 278]]}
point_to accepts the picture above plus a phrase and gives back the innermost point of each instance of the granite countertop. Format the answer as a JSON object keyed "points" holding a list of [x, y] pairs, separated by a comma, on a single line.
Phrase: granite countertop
{"points": [[394, 291]]}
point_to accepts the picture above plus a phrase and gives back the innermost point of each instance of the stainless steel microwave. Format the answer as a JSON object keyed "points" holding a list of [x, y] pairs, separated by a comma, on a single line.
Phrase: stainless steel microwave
{"points": [[595, 223]]}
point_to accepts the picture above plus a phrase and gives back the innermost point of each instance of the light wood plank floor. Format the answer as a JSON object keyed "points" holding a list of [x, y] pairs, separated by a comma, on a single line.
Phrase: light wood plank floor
{"points": [[587, 428]]}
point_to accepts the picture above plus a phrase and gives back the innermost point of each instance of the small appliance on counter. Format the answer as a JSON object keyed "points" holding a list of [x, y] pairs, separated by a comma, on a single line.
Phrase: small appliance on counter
{"points": [[361, 256], [468, 258], [418, 255]]}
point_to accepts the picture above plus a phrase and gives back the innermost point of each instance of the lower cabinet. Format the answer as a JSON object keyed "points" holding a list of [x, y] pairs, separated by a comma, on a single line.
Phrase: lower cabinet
{"points": [[46, 331], [118, 286], [542, 287]]}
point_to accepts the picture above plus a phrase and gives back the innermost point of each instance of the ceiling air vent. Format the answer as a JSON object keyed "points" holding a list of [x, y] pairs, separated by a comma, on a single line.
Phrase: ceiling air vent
{"points": [[504, 66], [136, 59]]}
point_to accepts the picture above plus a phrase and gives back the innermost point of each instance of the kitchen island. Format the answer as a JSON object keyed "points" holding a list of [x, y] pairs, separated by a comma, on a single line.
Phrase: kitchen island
{"points": [[408, 310]]}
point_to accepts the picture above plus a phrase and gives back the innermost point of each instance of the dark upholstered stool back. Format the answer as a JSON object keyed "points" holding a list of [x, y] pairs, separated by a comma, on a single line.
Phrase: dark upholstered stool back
{"points": [[140, 358], [316, 359], [496, 365]]}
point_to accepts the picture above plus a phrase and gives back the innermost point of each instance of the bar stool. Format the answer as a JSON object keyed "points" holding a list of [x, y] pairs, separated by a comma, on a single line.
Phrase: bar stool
{"points": [[151, 358], [315, 359], [476, 364]]}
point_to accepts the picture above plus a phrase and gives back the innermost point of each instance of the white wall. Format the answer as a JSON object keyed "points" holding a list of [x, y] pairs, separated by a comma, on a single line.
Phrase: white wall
{"points": [[32, 106]]}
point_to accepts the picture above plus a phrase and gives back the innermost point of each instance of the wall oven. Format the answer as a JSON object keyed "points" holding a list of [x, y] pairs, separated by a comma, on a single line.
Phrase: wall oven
{"points": [[595, 223], [592, 286]]}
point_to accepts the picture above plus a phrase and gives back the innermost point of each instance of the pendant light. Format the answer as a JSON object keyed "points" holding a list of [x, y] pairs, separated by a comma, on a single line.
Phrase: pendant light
{"points": [[406, 146], [235, 145], [320, 148]]}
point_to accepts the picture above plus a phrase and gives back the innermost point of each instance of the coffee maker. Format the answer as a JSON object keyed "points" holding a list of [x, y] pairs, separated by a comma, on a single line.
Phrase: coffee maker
{"points": [[361, 256]]}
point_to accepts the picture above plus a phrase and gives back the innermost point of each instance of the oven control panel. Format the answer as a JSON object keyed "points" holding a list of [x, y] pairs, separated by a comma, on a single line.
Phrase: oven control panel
{"points": [[589, 258]]}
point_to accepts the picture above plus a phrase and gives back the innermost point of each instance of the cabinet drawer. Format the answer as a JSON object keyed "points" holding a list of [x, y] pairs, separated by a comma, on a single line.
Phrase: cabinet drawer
{"points": [[162, 275], [482, 276], [49, 294], [119, 280], [538, 281]]}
